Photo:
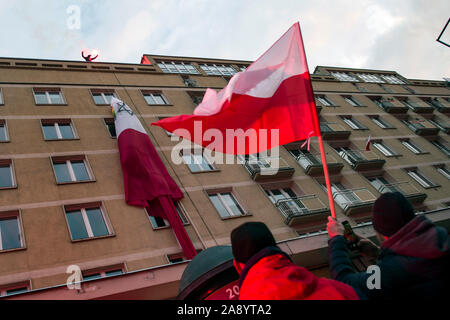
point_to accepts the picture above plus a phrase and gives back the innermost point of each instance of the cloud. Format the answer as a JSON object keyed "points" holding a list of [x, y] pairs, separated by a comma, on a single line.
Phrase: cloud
{"points": [[371, 34]]}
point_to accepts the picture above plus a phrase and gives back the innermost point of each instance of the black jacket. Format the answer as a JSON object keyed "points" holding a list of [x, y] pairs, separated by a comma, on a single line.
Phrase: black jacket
{"points": [[414, 263]]}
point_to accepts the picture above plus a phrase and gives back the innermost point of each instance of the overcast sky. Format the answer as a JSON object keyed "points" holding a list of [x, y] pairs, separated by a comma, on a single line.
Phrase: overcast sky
{"points": [[397, 35]]}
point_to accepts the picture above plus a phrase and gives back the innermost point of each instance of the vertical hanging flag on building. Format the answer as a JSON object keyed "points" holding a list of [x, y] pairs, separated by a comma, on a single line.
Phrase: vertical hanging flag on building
{"points": [[146, 180], [368, 144], [274, 92]]}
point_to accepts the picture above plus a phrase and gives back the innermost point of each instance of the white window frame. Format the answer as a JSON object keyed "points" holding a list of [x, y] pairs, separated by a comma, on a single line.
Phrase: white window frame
{"points": [[19, 228], [420, 178], [384, 149], [181, 212], [231, 214], [352, 100], [175, 65], [441, 146], [87, 224], [381, 123], [352, 123], [5, 126], [13, 178], [72, 173], [343, 76], [192, 155], [103, 97], [214, 69], [371, 78], [444, 171], [151, 94], [325, 101], [392, 79], [47, 95], [412, 147], [58, 132]]}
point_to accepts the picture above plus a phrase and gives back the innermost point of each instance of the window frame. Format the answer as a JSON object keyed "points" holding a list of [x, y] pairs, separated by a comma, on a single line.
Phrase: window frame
{"points": [[353, 123], [56, 123], [10, 163], [4, 124], [181, 212], [2, 100], [328, 101], [420, 178], [102, 271], [18, 215], [441, 146], [382, 147], [192, 153], [174, 66], [102, 92], [14, 286], [67, 160], [155, 92], [218, 192], [378, 120], [354, 102], [92, 205], [105, 122], [412, 146], [442, 169], [46, 91]]}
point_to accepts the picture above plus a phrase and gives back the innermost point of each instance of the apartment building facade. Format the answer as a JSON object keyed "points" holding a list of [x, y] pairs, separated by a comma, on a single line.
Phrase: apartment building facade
{"points": [[62, 201]]}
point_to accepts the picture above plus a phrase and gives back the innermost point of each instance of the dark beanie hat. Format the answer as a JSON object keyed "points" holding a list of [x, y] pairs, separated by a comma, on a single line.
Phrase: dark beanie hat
{"points": [[249, 238], [391, 212]]}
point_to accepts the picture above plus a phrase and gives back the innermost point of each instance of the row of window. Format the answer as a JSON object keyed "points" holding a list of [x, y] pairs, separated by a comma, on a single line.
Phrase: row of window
{"points": [[367, 77], [434, 102], [188, 68], [101, 97]]}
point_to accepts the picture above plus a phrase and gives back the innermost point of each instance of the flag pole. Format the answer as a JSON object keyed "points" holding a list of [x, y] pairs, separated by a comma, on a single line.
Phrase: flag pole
{"points": [[319, 137], [327, 177]]}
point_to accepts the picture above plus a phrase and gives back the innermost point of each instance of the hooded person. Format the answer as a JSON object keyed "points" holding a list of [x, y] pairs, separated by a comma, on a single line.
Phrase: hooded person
{"points": [[267, 273], [413, 260]]}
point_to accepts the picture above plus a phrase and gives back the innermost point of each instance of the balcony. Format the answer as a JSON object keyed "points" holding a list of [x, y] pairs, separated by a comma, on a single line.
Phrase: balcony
{"points": [[439, 104], [405, 188], [442, 125], [354, 201], [302, 209], [422, 128], [417, 106], [312, 164], [390, 106], [266, 168], [334, 131], [362, 160]]}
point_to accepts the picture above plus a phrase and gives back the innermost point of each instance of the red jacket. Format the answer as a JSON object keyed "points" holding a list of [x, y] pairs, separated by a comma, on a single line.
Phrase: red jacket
{"points": [[271, 275]]}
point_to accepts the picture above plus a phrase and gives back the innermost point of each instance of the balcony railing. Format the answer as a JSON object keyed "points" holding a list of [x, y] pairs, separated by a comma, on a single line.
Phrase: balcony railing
{"points": [[334, 131], [362, 160], [312, 163], [302, 209], [268, 168], [354, 200], [422, 128], [407, 189]]}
